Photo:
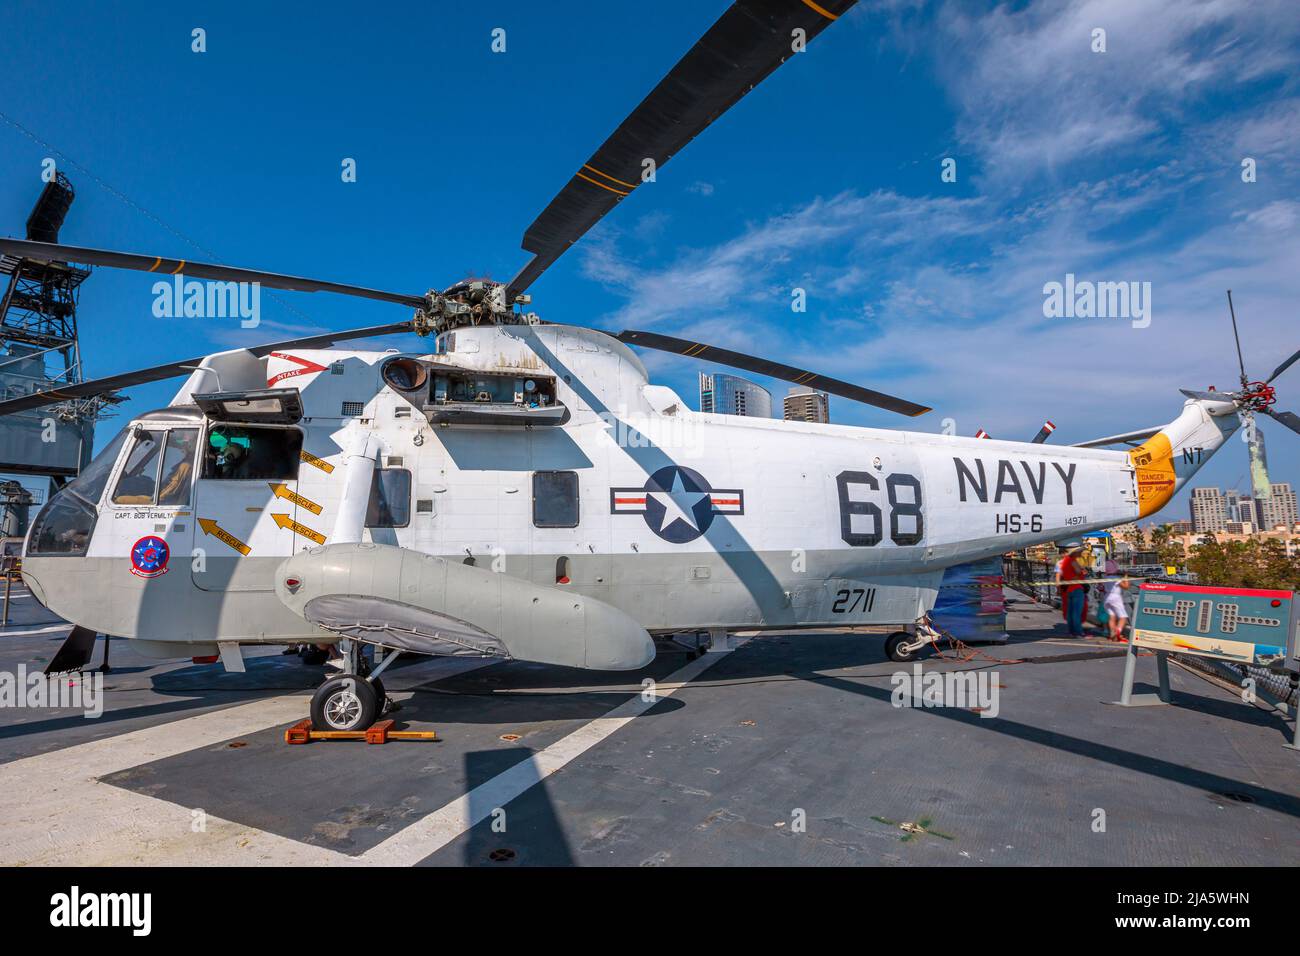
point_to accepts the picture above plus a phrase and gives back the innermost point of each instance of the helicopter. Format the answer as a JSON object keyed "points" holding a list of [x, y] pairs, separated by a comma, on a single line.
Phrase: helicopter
{"points": [[522, 490]]}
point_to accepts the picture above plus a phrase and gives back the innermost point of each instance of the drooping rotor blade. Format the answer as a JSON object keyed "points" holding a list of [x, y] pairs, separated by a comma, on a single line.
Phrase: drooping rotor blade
{"points": [[51, 252], [750, 40], [101, 386], [1124, 438], [1043, 432], [1241, 363], [1209, 396], [1290, 419], [788, 373], [1283, 367]]}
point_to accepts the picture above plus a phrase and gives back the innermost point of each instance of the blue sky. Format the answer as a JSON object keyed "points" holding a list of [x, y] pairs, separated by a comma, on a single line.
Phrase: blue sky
{"points": [[1115, 166]]}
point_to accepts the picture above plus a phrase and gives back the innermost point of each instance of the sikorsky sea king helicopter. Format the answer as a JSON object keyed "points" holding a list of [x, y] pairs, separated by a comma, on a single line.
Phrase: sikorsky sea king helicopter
{"points": [[522, 491]]}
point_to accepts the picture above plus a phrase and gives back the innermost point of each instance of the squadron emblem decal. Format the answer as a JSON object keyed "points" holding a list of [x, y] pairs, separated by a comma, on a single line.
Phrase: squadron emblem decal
{"points": [[677, 503], [149, 557]]}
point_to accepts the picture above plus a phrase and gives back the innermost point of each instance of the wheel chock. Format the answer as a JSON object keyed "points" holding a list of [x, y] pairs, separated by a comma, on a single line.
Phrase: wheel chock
{"points": [[380, 732]]}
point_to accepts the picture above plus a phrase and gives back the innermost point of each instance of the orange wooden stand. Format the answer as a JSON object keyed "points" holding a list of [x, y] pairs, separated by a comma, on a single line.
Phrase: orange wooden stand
{"points": [[380, 732]]}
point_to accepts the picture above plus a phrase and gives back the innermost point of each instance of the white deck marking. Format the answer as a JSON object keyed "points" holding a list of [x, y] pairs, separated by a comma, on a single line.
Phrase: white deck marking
{"points": [[56, 811], [36, 630], [433, 832]]}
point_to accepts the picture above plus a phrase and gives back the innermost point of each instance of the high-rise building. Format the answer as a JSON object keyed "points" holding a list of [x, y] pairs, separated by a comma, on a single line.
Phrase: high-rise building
{"points": [[1209, 510], [733, 395], [1232, 504], [1240, 510], [804, 404], [1279, 508], [1259, 483]]}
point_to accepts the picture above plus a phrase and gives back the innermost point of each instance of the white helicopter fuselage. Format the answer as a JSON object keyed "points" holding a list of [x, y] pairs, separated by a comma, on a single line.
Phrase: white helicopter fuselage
{"points": [[660, 518]]}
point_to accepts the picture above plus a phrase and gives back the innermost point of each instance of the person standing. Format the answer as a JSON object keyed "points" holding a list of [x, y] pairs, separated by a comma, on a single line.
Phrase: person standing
{"points": [[1116, 612], [1073, 595]]}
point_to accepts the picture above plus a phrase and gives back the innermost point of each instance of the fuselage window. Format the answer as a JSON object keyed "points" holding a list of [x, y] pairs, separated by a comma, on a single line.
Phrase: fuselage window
{"points": [[390, 499], [555, 499], [139, 478], [252, 453]]}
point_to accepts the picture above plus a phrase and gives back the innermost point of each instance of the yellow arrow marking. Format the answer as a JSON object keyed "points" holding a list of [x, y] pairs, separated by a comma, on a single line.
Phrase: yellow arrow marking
{"points": [[221, 534], [282, 491], [284, 521], [311, 459]]}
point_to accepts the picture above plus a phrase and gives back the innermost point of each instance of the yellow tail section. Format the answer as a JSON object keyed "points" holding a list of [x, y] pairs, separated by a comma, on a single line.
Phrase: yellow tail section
{"points": [[1153, 463], [1165, 461]]}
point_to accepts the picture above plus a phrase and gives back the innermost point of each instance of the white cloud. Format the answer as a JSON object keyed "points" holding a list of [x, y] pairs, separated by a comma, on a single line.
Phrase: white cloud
{"points": [[1123, 166], [1033, 96]]}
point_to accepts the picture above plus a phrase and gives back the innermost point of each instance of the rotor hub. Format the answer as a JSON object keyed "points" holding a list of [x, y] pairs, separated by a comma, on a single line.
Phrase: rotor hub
{"points": [[467, 303], [1257, 395]]}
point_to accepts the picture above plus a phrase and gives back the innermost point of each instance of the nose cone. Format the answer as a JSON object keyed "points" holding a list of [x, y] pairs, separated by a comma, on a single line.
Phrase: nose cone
{"points": [[34, 586]]}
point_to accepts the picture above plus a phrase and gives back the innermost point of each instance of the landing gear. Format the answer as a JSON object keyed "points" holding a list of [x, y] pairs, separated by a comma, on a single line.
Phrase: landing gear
{"points": [[346, 702], [903, 646], [896, 647], [354, 699]]}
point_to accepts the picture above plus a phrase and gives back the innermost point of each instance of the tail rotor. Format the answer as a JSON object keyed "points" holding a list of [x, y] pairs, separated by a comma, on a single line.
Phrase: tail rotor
{"points": [[1252, 397]]}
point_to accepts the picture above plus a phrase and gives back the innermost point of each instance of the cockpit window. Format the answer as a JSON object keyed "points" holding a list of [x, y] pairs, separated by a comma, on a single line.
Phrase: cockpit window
{"points": [[139, 475], [64, 526], [89, 485], [139, 483], [178, 467], [239, 452]]}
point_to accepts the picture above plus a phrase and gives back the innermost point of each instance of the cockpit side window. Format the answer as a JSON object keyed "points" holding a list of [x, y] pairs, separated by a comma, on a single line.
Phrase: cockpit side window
{"points": [[139, 478], [178, 467], [248, 452]]}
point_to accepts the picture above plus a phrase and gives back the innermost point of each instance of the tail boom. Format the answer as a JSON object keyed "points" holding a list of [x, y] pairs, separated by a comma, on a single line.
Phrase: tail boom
{"points": [[1168, 459]]}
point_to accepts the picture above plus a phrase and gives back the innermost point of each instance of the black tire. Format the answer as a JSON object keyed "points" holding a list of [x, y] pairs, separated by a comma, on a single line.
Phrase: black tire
{"points": [[894, 647], [314, 657], [380, 695], [344, 702]]}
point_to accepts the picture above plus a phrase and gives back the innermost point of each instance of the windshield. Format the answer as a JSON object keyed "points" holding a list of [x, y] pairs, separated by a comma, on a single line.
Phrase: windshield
{"points": [[89, 485], [65, 524]]}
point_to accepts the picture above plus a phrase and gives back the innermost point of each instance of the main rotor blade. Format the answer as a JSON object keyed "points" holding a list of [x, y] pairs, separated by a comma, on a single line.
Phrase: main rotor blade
{"points": [[1241, 363], [750, 40], [1043, 432], [1283, 367], [1209, 396], [51, 252], [1290, 419], [101, 386], [788, 373]]}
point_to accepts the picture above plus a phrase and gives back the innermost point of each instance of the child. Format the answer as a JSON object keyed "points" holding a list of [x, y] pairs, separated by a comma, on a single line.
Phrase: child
{"points": [[1116, 612]]}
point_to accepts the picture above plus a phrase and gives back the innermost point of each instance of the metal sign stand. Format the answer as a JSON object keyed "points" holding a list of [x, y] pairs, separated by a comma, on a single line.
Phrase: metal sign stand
{"points": [[1126, 695], [1164, 696]]}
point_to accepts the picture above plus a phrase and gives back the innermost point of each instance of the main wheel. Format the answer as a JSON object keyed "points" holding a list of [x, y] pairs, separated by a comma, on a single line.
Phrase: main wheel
{"points": [[313, 656], [344, 702], [894, 647]]}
